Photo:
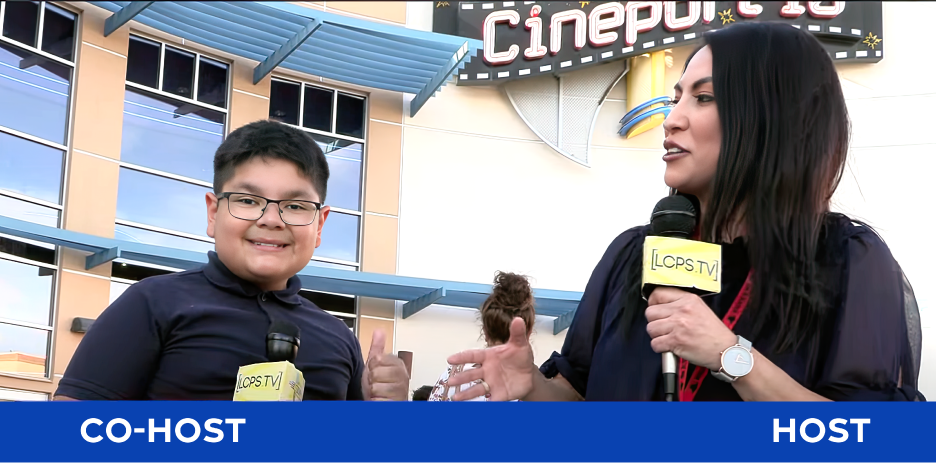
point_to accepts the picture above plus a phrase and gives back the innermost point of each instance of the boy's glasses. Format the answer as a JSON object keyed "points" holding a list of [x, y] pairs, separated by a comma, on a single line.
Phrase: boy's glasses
{"points": [[251, 207]]}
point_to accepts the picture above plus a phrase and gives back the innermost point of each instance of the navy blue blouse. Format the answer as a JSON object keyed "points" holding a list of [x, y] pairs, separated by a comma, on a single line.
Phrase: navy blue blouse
{"points": [[866, 352]]}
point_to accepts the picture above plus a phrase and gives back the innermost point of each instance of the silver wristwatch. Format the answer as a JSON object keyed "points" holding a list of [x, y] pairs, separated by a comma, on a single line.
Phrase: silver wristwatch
{"points": [[736, 361]]}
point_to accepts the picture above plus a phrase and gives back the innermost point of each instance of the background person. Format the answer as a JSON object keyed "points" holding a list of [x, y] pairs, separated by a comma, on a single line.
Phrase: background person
{"points": [[511, 298]]}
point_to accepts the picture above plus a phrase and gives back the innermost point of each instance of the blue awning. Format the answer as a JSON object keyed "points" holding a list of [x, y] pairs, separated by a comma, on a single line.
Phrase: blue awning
{"points": [[418, 293], [314, 42]]}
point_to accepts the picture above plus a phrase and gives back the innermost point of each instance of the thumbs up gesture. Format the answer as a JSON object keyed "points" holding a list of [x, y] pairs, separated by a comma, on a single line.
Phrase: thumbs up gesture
{"points": [[385, 376]]}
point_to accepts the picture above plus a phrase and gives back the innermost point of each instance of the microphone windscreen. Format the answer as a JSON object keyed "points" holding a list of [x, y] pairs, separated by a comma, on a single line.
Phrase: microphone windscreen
{"points": [[673, 216], [285, 327]]}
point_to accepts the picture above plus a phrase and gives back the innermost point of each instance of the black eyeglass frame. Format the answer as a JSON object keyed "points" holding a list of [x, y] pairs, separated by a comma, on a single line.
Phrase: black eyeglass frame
{"points": [[227, 195]]}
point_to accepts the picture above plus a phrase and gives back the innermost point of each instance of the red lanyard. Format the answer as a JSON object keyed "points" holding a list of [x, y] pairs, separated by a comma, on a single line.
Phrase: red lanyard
{"points": [[687, 392]]}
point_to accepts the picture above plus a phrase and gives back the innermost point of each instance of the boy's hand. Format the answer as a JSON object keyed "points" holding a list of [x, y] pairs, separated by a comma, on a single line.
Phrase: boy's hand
{"points": [[385, 376]]}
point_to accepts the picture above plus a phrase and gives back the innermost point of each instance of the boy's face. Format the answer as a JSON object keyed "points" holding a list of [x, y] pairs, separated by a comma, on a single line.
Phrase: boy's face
{"points": [[236, 240]]}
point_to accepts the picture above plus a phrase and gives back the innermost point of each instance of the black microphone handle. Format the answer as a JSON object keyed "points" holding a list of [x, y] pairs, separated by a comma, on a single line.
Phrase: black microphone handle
{"points": [[669, 376]]}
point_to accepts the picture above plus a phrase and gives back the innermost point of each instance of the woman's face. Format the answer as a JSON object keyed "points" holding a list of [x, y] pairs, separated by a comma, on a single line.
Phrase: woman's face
{"points": [[693, 131]]}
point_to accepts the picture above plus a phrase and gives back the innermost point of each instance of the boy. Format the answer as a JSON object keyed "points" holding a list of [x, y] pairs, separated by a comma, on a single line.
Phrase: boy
{"points": [[183, 336]]}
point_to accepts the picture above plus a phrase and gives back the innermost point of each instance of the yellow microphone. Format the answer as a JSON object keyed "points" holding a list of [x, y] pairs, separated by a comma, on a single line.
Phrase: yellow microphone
{"points": [[671, 258], [277, 380]]}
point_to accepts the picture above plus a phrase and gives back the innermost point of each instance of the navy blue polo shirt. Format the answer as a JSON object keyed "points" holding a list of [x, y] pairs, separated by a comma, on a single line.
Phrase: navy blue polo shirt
{"points": [[183, 336]]}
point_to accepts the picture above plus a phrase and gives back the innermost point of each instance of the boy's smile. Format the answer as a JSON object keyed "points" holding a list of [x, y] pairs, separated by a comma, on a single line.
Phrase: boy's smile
{"points": [[266, 251]]}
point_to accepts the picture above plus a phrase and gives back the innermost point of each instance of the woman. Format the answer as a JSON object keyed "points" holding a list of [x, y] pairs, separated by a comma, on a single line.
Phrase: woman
{"points": [[511, 298], [757, 138]]}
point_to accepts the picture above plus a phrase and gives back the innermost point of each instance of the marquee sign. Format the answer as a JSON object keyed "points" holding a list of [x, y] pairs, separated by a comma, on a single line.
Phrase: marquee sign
{"points": [[526, 39]]}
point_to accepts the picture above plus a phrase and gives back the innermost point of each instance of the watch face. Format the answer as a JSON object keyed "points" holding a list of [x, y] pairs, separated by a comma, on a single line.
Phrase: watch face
{"points": [[737, 362]]}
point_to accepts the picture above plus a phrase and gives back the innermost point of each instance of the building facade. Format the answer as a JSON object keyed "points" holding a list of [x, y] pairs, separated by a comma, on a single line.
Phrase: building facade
{"points": [[111, 134]]}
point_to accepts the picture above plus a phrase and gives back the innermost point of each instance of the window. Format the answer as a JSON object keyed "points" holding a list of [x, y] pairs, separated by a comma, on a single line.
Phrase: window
{"points": [[335, 120], [27, 279], [124, 274], [37, 41], [175, 111], [342, 307], [15, 395]]}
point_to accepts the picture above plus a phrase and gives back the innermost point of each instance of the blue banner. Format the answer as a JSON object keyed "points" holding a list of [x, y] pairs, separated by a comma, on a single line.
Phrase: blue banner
{"points": [[469, 432]]}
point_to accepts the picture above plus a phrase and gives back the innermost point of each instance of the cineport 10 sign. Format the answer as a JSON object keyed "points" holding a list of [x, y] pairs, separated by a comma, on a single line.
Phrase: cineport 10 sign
{"points": [[526, 39]]}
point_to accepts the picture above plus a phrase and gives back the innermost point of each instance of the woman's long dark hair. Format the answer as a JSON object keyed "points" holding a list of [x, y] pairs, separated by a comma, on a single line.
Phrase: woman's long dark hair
{"points": [[785, 134]]}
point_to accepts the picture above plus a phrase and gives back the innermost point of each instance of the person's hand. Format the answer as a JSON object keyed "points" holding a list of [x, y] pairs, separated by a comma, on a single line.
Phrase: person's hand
{"points": [[681, 323], [385, 376], [507, 369]]}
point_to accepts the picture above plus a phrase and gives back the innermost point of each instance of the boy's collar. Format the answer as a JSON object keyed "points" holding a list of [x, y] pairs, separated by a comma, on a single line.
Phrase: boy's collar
{"points": [[219, 275]]}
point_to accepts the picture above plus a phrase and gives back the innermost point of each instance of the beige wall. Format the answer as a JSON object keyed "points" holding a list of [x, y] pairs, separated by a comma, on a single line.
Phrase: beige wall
{"points": [[389, 12], [249, 102]]}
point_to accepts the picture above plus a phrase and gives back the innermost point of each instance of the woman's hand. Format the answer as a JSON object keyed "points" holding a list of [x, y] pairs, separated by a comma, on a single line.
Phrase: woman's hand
{"points": [[507, 369], [681, 323]]}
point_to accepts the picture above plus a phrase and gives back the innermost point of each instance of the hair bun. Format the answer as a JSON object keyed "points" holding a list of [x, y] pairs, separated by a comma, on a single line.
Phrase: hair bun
{"points": [[511, 291], [510, 298]]}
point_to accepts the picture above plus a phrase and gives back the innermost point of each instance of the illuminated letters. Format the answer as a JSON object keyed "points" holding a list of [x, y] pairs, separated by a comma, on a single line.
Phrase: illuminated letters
{"points": [[792, 10], [672, 23], [502, 57], [598, 26], [633, 26], [708, 12], [534, 24], [818, 10], [749, 10], [555, 29]]}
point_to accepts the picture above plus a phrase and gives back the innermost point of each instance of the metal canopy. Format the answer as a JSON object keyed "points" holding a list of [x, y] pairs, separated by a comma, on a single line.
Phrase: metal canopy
{"points": [[418, 292], [332, 46]]}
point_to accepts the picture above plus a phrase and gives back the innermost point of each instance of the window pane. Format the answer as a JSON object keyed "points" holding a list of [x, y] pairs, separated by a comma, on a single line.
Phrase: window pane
{"points": [[143, 62], [340, 237], [30, 168], [44, 253], [116, 289], [178, 72], [284, 102], [34, 93], [212, 82], [161, 202], [170, 136], [27, 292], [318, 263], [137, 235], [15, 395], [317, 109], [22, 22], [330, 302], [350, 120], [132, 272], [345, 170], [58, 32], [23, 350], [21, 210]]}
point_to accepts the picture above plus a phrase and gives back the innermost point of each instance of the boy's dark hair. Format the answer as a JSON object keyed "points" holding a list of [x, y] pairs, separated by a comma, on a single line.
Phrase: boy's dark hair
{"points": [[271, 139]]}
